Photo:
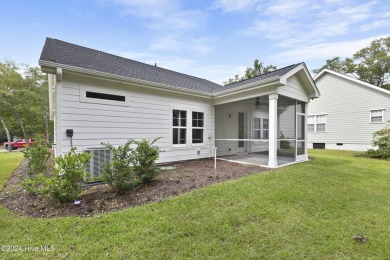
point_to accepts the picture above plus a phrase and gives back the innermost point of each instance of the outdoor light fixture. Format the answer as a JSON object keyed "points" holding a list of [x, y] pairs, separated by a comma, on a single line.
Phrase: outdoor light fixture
{"points": [[257, 104]]}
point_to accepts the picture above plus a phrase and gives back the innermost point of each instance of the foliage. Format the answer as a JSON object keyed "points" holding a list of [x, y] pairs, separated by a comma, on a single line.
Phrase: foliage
{"points": [[381, 140], [257, 70], [370, 64], [37, 156], [23, 100], [65, 185], [335, 64], [143, 159], [118, 173], [36, 184], [310, 210]]}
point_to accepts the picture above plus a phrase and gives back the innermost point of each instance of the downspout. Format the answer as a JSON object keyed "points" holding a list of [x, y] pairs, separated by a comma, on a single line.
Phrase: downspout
{"points": [[57, 123]]}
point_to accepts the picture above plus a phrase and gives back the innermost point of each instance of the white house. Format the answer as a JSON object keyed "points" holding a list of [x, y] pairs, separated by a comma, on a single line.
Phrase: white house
{"points": [[347, 114], [98, 97]]}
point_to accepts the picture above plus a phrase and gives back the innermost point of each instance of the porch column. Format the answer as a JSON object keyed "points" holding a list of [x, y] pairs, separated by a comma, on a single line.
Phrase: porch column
{"points": [[273, 130], [306, 137]]}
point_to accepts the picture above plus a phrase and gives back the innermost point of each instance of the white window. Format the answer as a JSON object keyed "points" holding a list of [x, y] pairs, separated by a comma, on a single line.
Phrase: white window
{"points": [[260, 128], [256, 128], [197, 127], [179, 127], [316, 123], [265, 128], [377, 116]]}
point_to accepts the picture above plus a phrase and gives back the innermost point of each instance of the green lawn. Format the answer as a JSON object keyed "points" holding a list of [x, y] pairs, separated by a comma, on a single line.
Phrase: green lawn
{"points": [[309, 210]]}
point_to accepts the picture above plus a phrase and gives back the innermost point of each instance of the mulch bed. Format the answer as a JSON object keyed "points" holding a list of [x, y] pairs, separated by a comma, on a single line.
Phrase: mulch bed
{"points": [[187, 175]]}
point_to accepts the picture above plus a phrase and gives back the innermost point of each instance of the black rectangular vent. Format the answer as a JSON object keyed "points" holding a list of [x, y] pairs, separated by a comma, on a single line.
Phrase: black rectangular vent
{"points": [[318, 145], [105, 96], [340, 144]]}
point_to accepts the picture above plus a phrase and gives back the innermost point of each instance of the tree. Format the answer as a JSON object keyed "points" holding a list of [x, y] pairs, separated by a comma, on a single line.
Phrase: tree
{"points": [[257, 70], [335, 64], [23, 99], [370, 64]]}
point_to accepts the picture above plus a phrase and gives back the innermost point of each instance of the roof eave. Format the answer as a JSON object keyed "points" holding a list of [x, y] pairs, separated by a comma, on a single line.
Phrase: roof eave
{"points": [[50, 68], [309, 81], [319, 75]]}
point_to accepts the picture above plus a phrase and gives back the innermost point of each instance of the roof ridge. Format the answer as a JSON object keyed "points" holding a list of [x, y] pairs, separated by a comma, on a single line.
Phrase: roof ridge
{"points": [[264, 74], [139, 62]]}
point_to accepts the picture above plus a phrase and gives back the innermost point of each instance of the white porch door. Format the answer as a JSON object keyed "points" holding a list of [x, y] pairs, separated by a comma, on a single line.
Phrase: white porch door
{"points": [[241, 132]]}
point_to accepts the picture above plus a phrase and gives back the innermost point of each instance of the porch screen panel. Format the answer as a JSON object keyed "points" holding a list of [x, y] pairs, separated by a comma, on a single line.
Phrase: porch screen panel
{"points": [[286, 118], [286, 130]]}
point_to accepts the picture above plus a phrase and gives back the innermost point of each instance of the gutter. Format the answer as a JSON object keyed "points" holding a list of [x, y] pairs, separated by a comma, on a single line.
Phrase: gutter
{"points": [[161, 86]]}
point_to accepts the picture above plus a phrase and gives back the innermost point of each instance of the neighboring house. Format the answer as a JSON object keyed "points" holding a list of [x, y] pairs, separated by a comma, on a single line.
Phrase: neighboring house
{"points": [[347, 114], [98, 97]]}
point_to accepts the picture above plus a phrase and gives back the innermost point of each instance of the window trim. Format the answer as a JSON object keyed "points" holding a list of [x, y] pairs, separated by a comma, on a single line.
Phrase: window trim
{"points": [[261, 129], [316, 123], [204, 127], [256, 129], [178, 127], [383, 115]]}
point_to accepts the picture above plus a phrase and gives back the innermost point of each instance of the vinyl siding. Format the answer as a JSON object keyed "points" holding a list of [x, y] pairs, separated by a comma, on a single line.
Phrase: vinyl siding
{"points": [[145, 114], [293, 89], [347, 105]]}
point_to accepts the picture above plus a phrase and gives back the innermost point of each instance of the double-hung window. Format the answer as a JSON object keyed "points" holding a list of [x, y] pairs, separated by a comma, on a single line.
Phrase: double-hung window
{"points": [[377, 116], [316, 123], [260, 128], [265, 128], [197, 127], [257, 128], [179, 127]]}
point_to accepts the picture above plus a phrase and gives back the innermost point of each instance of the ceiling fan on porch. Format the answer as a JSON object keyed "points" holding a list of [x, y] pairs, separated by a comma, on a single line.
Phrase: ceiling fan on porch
{"points": [[257, 103]]}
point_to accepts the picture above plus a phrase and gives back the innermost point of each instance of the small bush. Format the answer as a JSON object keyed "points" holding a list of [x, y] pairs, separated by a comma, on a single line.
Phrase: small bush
{"points": [[36, 184], [66, 184], [143, 159], [118, 173], [382, 141], [37, 156]]}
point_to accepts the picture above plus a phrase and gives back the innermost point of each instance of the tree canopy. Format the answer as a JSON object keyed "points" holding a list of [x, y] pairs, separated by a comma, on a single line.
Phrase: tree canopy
{"points": [[257, 70], [23, 101], [370, 64]]}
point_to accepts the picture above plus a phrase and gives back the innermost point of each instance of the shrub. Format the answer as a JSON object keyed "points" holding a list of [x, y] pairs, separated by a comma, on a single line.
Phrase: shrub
{"points": [[37, 156], [382, 141], [66, 184], [36, 184], [143, 159], [118, 173]]}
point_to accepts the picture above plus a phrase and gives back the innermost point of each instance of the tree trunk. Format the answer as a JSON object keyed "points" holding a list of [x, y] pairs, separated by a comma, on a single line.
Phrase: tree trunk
{"points": [[22, 128], [8, 135]]}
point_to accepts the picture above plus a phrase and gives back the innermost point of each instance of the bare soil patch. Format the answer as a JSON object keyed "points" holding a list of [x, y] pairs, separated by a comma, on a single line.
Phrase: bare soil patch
{"points": [[187, 175]]}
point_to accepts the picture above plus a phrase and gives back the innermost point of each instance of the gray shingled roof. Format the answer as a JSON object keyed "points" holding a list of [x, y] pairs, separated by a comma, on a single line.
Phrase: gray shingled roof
{"points": [[65, 53]]}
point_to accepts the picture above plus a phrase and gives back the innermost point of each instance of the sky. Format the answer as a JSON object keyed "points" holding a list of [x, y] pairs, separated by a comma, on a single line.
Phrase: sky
{"points": [[214, 39]]}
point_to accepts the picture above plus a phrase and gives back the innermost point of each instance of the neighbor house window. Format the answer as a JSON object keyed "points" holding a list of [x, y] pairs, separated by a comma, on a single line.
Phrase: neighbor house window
{"points": [[197, 127], [257, 128], [179, 126], [377, 116], [316, 123], [105, 96]]}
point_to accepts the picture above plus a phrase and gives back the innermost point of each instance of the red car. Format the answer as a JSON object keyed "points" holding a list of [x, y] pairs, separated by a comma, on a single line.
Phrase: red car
{"points": [[20, 143]]}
